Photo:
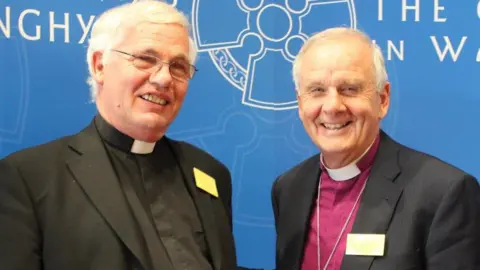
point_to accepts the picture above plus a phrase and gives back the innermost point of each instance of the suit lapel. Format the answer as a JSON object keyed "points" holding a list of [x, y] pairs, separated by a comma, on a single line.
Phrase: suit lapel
{"points": [[203, 204], [93, 171], [378, 201], [303, 198]]}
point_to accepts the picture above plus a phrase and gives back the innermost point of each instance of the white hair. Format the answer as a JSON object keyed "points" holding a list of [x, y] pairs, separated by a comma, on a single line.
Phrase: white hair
{"points": [[109, 27], [381, 76]]}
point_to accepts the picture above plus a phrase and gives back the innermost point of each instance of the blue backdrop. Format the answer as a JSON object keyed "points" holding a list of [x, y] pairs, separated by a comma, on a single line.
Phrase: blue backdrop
{"points": [[241, 105]]}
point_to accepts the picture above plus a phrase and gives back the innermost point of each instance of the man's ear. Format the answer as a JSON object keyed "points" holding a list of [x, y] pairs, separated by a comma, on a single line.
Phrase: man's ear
{"points": [[384, 100], [98, 67], [300, 104]]}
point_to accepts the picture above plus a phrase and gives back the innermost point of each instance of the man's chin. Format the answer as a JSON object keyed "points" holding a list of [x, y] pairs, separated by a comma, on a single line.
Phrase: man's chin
{"points": [[148, 129], [149, 134], [152, 120], [334, 147]]}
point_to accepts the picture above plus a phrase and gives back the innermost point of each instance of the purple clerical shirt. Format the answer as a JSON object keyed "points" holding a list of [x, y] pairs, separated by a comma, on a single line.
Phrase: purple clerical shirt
{"points": [[336, 201]]}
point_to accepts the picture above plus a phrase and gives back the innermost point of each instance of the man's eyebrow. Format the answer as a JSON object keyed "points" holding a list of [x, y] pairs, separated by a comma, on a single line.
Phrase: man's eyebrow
{"points": [[177, 57], [351, 81], [180, 57], [149, 52], [315, 84]]}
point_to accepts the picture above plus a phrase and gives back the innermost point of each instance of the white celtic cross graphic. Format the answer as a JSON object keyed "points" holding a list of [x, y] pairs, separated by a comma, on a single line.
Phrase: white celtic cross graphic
{"points": [[253, 43]]}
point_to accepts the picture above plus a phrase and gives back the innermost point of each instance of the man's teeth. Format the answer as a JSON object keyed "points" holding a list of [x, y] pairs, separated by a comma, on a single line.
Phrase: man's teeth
{"points": [[335, 126], [155, 99]]}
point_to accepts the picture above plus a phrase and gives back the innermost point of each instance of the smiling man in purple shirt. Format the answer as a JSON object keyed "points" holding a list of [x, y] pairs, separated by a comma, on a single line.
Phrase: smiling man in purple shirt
{"points": [[366, 202]]}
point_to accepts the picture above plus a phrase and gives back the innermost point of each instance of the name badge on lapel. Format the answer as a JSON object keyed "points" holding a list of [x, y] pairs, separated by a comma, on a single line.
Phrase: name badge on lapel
{"points": [[365, 244], [205, 182]]}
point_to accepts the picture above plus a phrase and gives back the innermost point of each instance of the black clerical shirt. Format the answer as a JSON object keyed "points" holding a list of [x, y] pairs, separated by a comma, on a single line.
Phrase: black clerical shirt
{"points": [[159, 184]]}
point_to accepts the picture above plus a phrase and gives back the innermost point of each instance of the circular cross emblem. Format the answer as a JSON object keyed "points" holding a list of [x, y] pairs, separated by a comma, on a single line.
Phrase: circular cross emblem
{"points": [[255, 42]]}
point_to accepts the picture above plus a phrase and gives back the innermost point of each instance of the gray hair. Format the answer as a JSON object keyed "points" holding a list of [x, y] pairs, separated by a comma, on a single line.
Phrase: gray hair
{"points": [[108, 29], [378, 60]]}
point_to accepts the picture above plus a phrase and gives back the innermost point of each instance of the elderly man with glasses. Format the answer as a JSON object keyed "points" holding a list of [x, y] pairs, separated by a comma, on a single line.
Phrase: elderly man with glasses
{"points": [[120, 194]]}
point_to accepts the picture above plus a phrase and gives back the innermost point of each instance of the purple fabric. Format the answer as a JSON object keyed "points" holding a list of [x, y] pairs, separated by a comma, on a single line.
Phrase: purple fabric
{"points": [[337, 199]]}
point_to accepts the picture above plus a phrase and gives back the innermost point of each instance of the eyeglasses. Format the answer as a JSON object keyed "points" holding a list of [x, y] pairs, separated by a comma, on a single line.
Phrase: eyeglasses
{"points": [[179, 69]]}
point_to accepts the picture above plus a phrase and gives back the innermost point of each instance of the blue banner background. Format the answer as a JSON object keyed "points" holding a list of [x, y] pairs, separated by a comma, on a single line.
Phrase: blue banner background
{"points": [[241, 105]]}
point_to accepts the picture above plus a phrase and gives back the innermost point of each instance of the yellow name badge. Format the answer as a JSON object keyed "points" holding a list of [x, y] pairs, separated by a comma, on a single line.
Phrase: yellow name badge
{"points": [[365, 244], [205, 182]]}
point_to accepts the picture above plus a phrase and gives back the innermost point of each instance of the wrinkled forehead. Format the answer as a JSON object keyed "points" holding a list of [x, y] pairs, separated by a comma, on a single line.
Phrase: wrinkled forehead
{"points": [[160, 37], [337, 58], [344, 53], [157, 31]]}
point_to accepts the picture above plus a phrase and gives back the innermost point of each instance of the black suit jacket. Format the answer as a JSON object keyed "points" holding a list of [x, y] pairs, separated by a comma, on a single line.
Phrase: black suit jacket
{"points": [[429, 211], [62, 207]]}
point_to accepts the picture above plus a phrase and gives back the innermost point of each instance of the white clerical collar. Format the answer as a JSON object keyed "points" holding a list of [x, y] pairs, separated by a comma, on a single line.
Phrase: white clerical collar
{"points": [[119, 140], [347, 172], [344, 173], [141, 147]]}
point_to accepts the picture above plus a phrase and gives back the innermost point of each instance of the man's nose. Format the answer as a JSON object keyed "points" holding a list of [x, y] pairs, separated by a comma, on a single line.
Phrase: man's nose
{"points": [[333, 102], [161, 77]]}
